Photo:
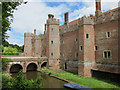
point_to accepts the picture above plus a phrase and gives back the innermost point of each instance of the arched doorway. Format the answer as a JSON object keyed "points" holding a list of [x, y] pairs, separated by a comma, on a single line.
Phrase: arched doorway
{"points": [[32, 67], [44, 65], [15, 68]]}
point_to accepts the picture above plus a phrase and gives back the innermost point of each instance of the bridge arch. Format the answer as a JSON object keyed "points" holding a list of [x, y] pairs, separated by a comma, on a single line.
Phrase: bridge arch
{"points": [[44, 64], [15, 68], [32, 66]]}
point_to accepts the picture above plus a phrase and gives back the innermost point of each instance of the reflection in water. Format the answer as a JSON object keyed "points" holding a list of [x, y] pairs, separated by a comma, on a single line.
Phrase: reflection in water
{"points": [[48, 82]]}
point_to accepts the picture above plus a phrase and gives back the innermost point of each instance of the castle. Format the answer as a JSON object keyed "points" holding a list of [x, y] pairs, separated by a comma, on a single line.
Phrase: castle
{"points": [[82, 46]]}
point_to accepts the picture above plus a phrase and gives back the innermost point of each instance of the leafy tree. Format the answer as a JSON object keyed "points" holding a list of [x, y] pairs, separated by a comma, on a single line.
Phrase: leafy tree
{"points": [[2, 48], [6, 44], [7, 15], [10, 49]]}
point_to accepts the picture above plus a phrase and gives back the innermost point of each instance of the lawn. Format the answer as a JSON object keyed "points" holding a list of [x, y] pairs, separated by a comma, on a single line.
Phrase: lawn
{"points": [[87, 81]]}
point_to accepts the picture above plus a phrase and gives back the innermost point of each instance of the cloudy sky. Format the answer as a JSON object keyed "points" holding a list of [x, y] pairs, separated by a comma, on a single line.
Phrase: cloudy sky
{"points": [[33, 15]]}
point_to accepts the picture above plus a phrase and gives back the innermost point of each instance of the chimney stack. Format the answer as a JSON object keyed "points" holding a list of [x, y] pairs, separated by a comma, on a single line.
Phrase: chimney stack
{"points": [[66, 18], [98, 8], [34, 31], [45, 27], [50, 16], [98, 5]]}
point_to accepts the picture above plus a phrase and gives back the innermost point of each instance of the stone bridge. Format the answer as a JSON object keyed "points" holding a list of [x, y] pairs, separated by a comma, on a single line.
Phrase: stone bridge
{"points": [[26, 64]]}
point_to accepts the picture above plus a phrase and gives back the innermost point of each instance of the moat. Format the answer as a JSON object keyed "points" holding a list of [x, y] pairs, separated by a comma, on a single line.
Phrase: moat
{"points": [[48, 82]]}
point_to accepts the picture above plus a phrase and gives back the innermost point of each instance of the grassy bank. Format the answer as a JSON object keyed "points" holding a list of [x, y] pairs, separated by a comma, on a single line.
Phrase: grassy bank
{"points": [[91, 82]]}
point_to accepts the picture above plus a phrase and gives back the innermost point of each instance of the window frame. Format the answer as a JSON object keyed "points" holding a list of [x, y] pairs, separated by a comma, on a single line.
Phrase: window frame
{"points": [[107, 57], [76, 55], [81, 48], [108, 35], [51, 29], [87, 36], [96, 48], [51, 41], [51, 53]]}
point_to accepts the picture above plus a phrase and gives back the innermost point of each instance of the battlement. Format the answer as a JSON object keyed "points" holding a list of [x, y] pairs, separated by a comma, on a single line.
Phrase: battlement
{"points": [[52, 21], [74, 25], [41, 36], [28, 34], [86, 20], [37, 37], [108, 16]]}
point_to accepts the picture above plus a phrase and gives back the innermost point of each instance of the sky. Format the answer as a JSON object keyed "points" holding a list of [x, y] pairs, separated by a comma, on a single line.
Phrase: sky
{"points": [[34, 14]]}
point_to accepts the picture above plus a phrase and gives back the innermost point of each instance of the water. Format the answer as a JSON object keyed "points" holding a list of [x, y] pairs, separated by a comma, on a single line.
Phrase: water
{"points": [[48, 82]]}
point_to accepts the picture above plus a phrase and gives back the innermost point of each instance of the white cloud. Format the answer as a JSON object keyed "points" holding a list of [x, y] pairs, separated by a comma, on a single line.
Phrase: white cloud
{"points": [[71, 0], [14, 39], [81, 12], [34, 14], [89, 8]]}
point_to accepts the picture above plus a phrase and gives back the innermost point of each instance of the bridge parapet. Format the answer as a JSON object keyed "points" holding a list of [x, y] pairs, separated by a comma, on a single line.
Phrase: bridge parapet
{"points": [[27, 58]]}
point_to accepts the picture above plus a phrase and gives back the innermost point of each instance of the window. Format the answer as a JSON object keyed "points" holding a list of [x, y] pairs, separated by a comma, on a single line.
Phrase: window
{"points": [[76, 54], [107, 54], [81, 48], [87, 35], [51, 42], [63, 42], [108, 34], [51, 54], [96, 48], [76, 39], [52, 29], [70, 54]]}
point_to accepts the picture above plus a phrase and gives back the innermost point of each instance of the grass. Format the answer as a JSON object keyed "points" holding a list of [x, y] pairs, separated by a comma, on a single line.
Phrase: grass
{"points": [[87, 81]]}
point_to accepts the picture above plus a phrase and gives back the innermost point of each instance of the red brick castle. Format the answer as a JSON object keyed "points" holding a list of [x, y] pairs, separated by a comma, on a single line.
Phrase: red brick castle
{"points": [[85, 45]]}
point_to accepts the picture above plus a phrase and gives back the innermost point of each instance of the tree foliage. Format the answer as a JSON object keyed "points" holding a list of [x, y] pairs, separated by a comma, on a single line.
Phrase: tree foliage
{"points": [[20, 83], [7, 15], [4, 63], [12, 48]]}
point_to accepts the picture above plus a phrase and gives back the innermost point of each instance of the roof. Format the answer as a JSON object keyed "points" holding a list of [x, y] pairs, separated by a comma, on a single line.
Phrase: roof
{"points": [[111, 10], [70, 23], [75, 21]]}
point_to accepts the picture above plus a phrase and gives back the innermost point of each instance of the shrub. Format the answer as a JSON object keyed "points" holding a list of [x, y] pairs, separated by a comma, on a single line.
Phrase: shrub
{"points": [[10, 53], [39, 81], [7, 80], [4, 63], [20, 83]]}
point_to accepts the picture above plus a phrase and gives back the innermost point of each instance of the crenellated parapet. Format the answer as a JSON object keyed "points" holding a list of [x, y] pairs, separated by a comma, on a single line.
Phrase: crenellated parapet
{"points": [[28, 34], [86, 20], [108, 16], [52, 21]]}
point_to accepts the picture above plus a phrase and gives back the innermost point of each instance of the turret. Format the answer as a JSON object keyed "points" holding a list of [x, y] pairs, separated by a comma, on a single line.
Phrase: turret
{"points": [[53, 41]]}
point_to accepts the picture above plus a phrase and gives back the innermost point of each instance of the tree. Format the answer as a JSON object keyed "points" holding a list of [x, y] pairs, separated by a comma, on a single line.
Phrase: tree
{"points": [[7, 13]]}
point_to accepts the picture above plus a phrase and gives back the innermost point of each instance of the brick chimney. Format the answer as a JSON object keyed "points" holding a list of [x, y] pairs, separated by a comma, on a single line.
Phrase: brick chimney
{"points": [[98, 8], [50, 16], [34, 31], [45, 27], [66, 18]]}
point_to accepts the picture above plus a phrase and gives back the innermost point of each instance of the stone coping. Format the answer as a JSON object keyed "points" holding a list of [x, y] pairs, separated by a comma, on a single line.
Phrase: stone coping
{"points": [[23, 57]]}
